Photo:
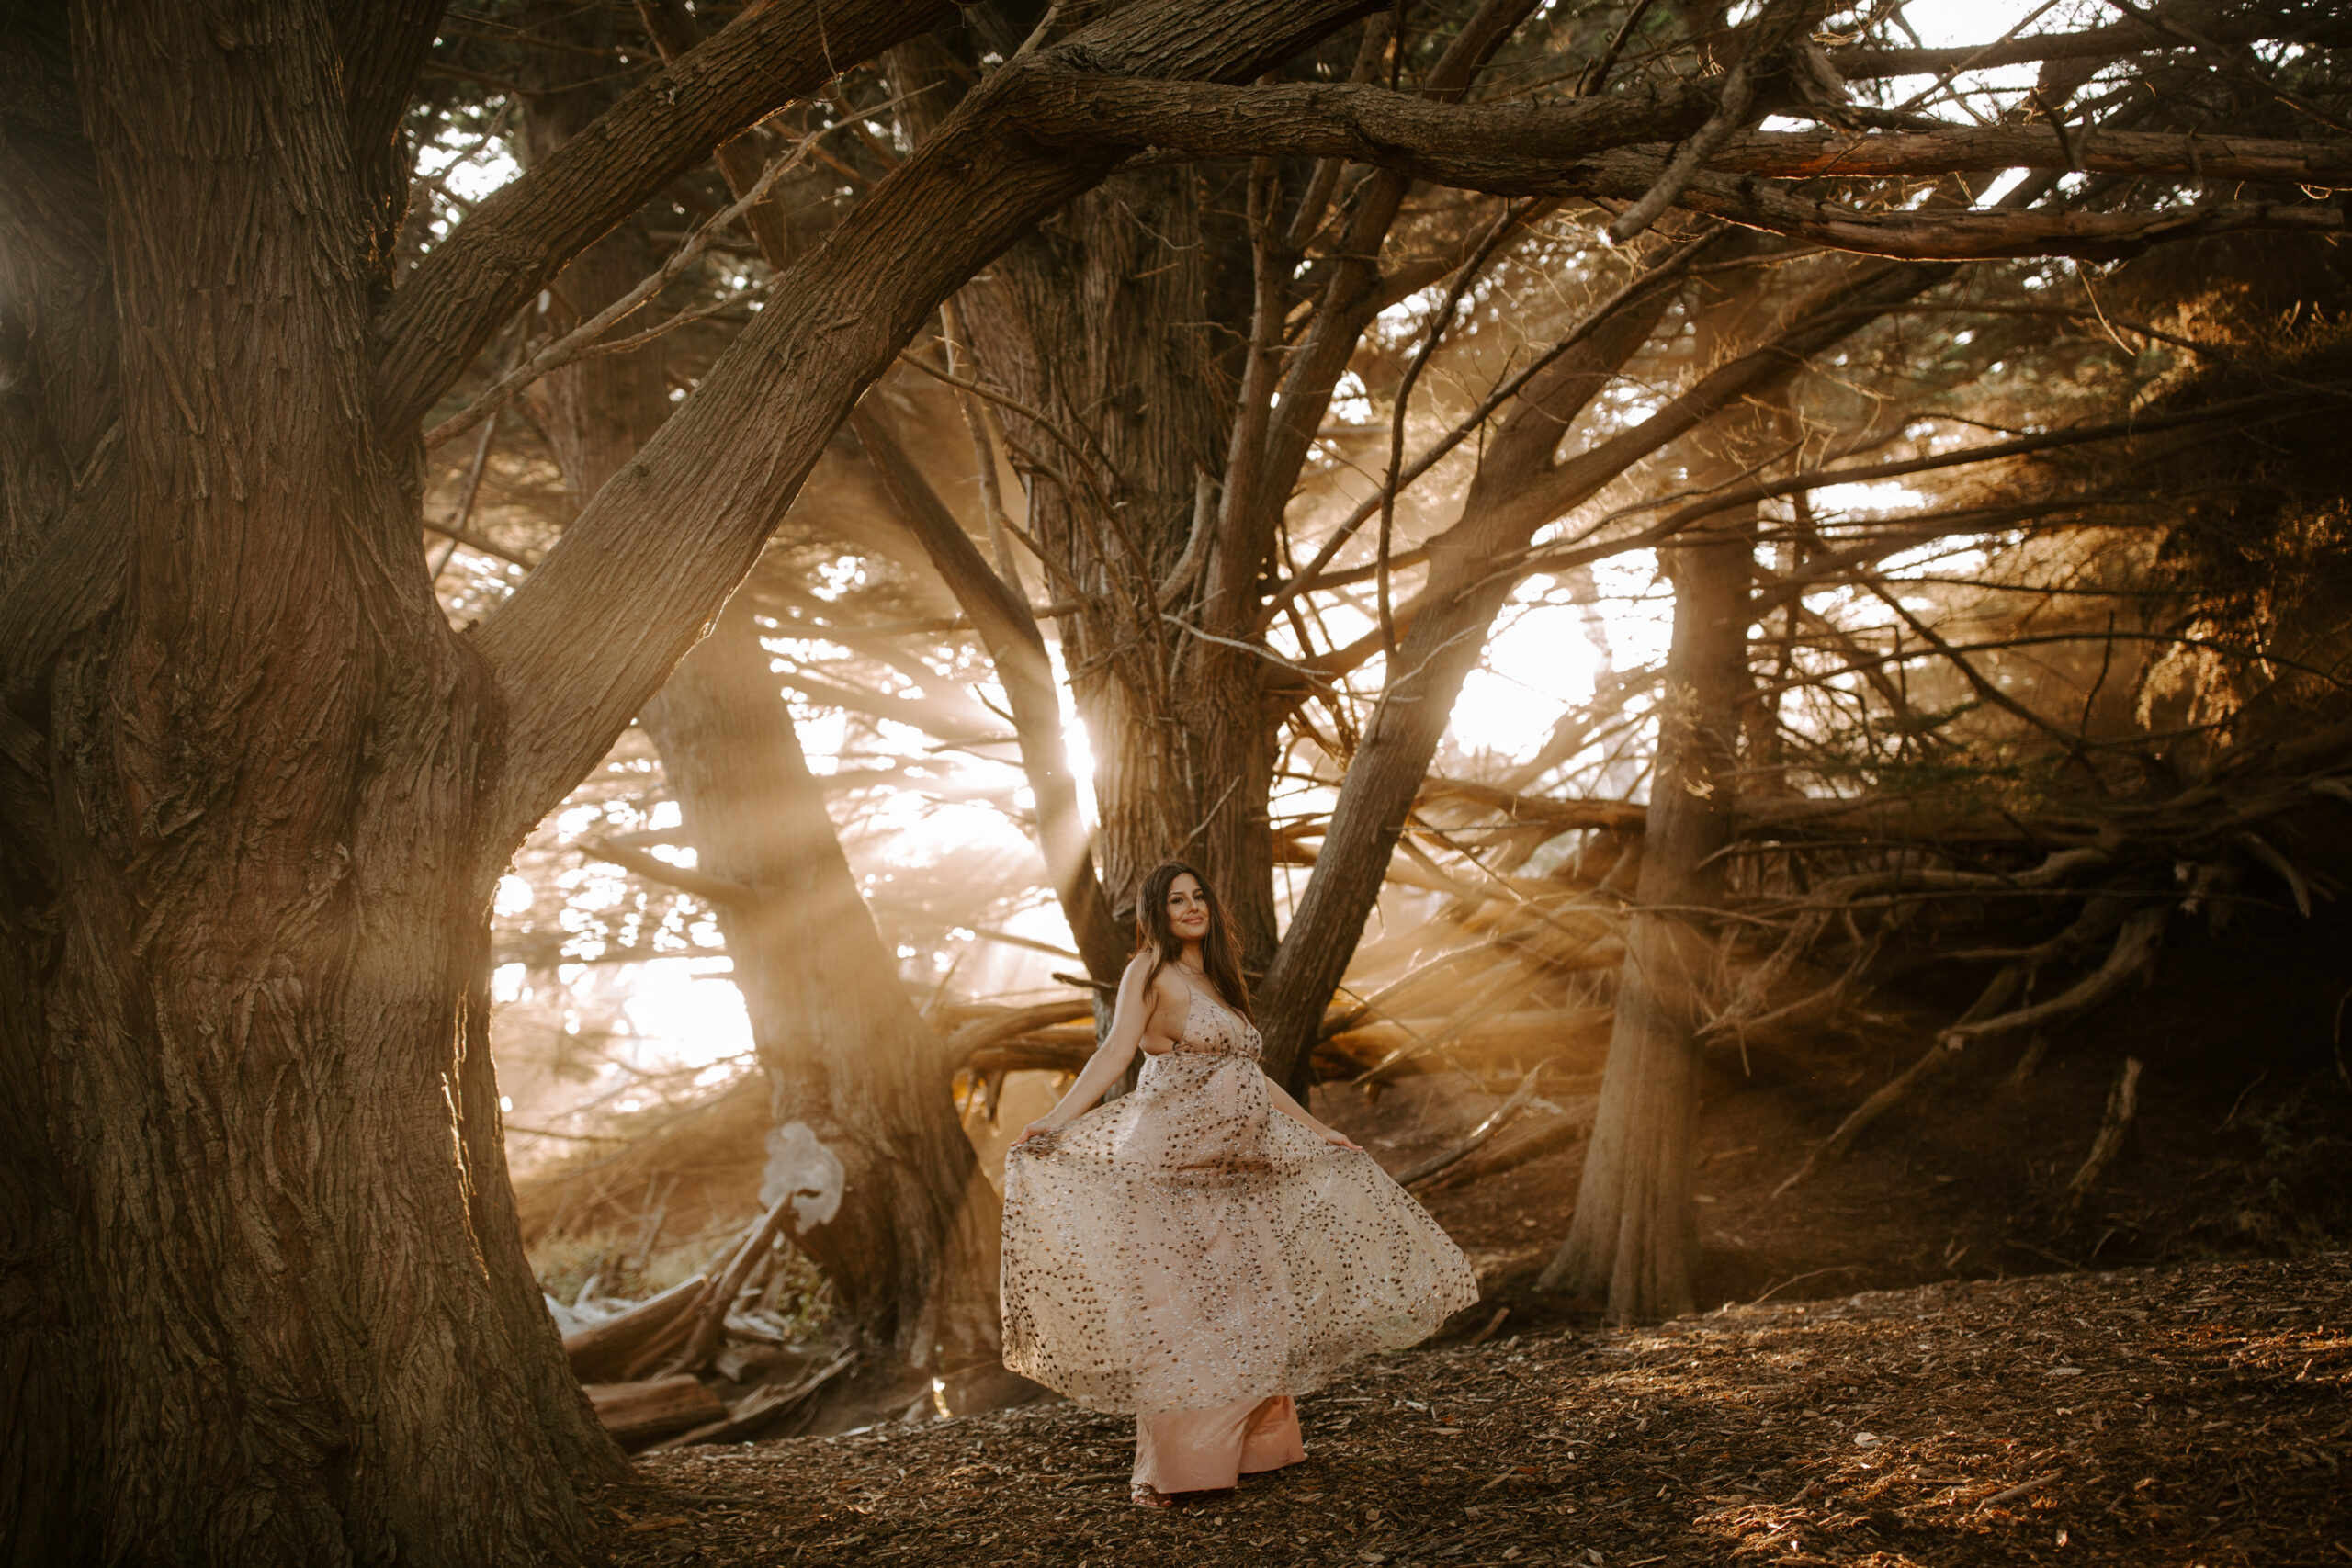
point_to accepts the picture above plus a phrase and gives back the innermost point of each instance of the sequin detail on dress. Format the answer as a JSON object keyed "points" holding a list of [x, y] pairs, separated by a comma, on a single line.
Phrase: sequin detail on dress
{"points": [[1188, 1246]]}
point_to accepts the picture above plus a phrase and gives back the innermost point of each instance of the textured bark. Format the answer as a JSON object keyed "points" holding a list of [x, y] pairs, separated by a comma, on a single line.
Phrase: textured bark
{"points": [[1635, 1235], [1534, 146], [257, 1212], [912, 1247], [1096, 320], [2321, 25], [1578, 147]]}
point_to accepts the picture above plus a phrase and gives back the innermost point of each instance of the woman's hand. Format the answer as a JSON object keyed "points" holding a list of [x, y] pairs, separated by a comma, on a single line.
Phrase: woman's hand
{"points": [[1338, 1139], [1043, 1127]]}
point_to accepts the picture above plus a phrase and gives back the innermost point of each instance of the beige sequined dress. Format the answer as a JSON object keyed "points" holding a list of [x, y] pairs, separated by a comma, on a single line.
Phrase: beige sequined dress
{"points": [[1190, 1253]]}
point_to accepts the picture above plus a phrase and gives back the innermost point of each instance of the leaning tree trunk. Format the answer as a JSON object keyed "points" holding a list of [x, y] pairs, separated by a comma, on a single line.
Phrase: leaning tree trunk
{"points": [[254, 1203], [891, 1203]]}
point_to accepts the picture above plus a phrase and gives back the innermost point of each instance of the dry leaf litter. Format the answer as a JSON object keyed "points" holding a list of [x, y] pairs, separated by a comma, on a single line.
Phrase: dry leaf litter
{"points": [[2190, 1415]]}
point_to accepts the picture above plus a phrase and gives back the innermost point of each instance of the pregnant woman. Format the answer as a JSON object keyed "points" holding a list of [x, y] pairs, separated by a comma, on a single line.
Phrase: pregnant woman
{"points": [[1202, 1250]]}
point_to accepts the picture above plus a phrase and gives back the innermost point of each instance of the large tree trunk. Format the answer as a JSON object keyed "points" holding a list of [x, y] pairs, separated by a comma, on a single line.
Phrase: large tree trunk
{"points": [[895, 1210], [255, 1203], [1095, 319]]}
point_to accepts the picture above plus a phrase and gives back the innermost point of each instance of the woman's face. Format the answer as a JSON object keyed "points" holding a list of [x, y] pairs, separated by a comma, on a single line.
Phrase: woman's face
{"points": [[1188, 908]]}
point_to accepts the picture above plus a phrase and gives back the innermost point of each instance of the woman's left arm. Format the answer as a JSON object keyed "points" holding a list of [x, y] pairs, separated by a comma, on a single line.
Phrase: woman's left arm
{"points": [[1297, 1112]]}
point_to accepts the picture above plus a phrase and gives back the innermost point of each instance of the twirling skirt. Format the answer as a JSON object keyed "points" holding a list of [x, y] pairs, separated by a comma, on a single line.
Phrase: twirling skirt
{"points": [[1189, 1248]]}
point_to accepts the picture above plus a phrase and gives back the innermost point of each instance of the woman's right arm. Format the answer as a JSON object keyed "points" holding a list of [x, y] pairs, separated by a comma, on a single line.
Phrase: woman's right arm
{"points": [[1109, 1059]]}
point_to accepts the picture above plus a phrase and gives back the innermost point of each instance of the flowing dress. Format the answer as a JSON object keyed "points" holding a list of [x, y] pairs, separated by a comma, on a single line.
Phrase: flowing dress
{"points": [[1189, 1253]]}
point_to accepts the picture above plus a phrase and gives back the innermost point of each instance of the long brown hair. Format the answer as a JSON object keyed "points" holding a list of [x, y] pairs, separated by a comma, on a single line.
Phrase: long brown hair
{"points": [[1219, 956]]}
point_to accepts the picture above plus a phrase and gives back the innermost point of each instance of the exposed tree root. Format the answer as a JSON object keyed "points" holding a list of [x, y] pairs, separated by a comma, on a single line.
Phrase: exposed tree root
{"points": [[2123, 1102]]}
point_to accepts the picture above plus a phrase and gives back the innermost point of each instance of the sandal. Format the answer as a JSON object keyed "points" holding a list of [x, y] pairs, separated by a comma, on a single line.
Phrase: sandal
{"points": [[1144, 1496]]}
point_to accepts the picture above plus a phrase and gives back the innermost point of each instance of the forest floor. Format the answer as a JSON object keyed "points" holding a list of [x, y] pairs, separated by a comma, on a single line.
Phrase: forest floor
{"points": [[2188, 1415]]}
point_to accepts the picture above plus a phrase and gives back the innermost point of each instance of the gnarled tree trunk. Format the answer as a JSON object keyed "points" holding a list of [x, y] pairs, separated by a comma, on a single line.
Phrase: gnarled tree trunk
{"points": [[256, 1205], [1095, 320]]}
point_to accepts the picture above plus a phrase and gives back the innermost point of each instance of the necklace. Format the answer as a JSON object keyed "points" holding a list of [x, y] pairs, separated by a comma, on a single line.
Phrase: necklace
{"points": [[1202, 971]]}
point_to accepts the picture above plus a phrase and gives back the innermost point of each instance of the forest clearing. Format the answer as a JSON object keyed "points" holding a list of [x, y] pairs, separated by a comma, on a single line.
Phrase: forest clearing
{"points": [[835, 780], [2147, 1416]]}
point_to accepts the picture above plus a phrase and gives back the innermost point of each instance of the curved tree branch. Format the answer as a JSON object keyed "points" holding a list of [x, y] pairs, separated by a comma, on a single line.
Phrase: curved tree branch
{"points": [[522, 236], [601, 622]]}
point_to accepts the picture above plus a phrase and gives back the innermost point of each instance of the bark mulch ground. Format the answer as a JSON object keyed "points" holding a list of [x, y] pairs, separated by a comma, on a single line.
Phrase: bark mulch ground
{"points": [[2178, 1416]]}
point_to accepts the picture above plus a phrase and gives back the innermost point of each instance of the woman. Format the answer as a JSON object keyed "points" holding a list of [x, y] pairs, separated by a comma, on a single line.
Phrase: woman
{"points": [[1203, 1250]]}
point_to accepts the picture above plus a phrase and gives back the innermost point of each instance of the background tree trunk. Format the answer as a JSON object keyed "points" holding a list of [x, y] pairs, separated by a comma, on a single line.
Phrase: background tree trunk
{"points": [[1634, 1233], [904, 1225], [1097, 319], [897, 1212]]}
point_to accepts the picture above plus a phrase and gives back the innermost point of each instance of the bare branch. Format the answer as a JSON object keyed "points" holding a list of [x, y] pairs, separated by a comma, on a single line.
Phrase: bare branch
{"points": [[518, 239], [2092, 43], [1002, 616], [582, 340], [685, 879]]}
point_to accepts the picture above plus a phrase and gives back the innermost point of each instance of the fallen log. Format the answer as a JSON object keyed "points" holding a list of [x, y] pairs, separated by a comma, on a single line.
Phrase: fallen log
{"points": [[690, 1342], [1392, 1047], [603, 1350], [641, 1413], [1529, 1143], [759, 1408], [993, 1031]]}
